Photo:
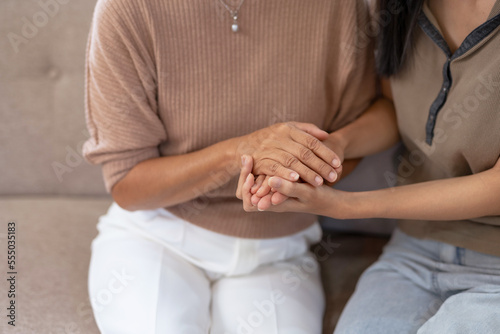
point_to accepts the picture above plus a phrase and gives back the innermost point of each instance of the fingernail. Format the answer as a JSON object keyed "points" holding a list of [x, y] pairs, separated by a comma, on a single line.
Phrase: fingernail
{"points": [[274, 183], [332, 176], [243, 160], [319, 180], [294, 175], [336, 163]]}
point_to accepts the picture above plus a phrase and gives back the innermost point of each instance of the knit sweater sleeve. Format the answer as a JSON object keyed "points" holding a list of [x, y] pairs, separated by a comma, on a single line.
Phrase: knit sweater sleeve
{"points": [[356, 74], [121, 91]]}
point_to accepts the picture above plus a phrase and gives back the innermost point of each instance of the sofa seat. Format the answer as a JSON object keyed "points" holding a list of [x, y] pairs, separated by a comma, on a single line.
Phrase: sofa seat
{"points": [[53, 237]]}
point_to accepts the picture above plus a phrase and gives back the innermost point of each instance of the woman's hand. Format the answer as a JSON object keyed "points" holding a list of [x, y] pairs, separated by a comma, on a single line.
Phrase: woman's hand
{"points": [[280, 150], [262, 194], [251, 201], [337, 144], [292, 151], [287, 196]]}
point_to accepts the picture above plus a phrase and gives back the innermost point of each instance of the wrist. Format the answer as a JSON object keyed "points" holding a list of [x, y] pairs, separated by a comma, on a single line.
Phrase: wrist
{"points": [[229, 153], [349, 205]]}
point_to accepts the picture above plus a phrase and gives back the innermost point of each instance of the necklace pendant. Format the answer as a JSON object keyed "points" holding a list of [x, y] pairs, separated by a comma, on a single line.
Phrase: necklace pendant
{"points": [[235, 27]]}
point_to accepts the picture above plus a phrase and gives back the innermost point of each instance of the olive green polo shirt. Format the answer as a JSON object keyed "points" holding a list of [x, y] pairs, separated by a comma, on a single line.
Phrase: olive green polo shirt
{"points": [[448, 110]]}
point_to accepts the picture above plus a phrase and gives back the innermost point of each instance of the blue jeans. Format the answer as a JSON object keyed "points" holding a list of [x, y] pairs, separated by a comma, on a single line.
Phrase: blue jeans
{"points": [[425, 287]]}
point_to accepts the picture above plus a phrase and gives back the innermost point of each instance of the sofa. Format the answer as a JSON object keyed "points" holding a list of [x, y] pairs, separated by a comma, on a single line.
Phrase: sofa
{"points": [[54, 198]]}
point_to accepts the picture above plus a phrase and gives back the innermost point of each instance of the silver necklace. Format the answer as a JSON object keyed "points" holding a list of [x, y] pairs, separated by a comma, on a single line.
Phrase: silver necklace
{"points": [[234, 14]]}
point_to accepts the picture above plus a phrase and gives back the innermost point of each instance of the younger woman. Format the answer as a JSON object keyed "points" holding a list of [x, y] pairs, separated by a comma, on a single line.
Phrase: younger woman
{"points": [[441, 271]]}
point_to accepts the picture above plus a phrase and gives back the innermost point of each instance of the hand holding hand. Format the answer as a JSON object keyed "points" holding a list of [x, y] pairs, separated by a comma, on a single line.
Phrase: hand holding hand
{"points": [[263, 196], [287, 196], [251, 201], [292, 151]]}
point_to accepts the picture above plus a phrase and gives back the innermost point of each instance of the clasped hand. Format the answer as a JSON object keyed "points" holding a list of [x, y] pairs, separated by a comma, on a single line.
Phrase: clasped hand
{"points": [[283, 154]]}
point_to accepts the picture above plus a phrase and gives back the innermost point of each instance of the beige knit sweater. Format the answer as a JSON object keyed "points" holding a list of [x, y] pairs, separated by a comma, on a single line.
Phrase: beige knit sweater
{"points": [[168, 77]]}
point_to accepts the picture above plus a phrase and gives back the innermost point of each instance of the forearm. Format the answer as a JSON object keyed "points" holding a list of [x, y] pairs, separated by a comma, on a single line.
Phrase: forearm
{"points": [[458, 198], [167, 181], [373, 132]]}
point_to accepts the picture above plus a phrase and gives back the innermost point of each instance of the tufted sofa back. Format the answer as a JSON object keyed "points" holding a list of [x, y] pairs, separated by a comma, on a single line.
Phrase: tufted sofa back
{"points": [[42, 121]]}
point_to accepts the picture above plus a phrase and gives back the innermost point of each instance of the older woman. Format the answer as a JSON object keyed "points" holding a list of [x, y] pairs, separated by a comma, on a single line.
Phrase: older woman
{"points": [[441, 271], [177, 91]]}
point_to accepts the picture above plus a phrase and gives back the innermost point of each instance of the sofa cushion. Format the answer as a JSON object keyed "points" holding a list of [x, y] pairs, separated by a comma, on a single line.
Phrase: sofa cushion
{"points": [[340, 271], [53, 237], [42, 65]]}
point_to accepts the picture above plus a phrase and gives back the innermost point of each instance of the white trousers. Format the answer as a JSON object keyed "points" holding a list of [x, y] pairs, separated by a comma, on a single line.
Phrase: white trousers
{"points": [[151, 272]]}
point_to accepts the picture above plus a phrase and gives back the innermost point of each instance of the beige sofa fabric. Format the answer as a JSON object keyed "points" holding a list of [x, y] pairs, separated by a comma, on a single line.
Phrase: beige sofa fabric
{"points": [[52, 256], [54, 236], [42, 53]]}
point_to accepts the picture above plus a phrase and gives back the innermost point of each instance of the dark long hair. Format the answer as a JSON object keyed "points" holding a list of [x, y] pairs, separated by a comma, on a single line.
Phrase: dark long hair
{"points": [[398, 21]]}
